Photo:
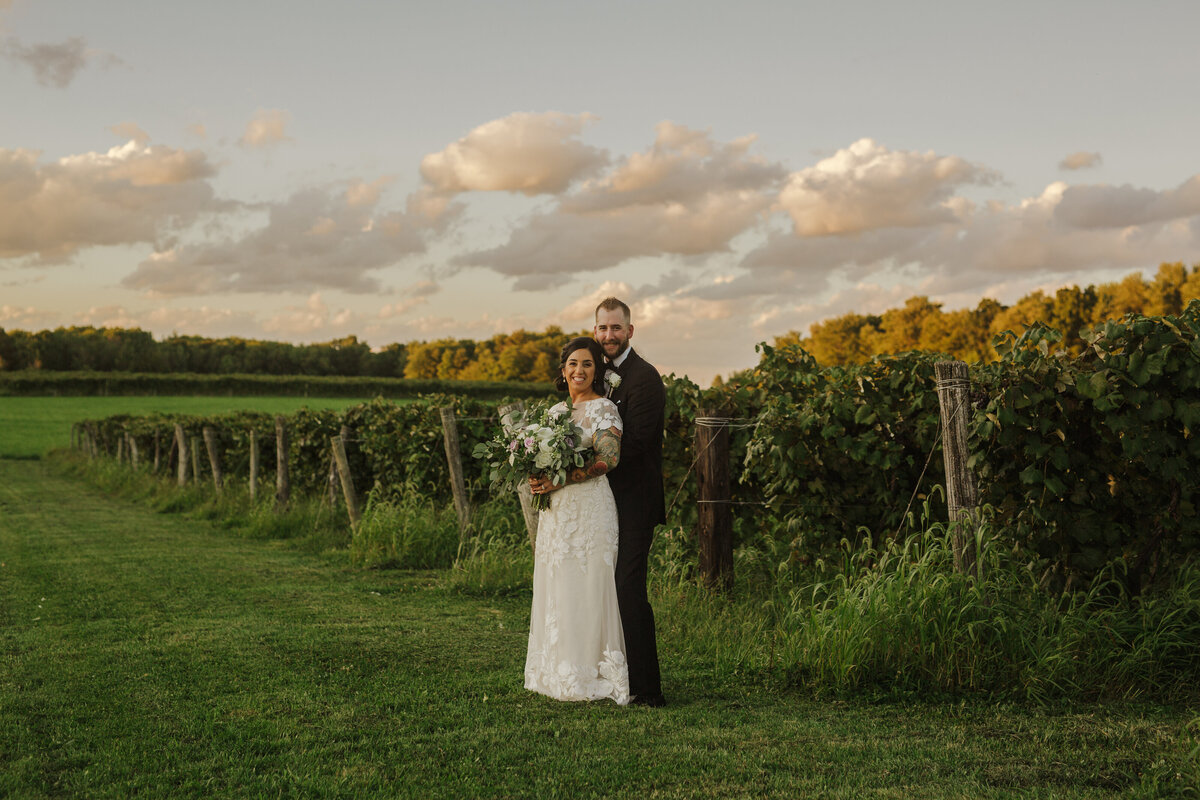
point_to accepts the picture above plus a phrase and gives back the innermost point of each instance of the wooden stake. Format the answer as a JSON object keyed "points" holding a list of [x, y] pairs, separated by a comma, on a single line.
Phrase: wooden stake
{"points": [[524, 493], [194, 446], [253, 465], [214, 459], [715, 514], [343, 470], [182, 449], [283, 487], [133, 450], [954, 391], [156, 451], [454, 460]]}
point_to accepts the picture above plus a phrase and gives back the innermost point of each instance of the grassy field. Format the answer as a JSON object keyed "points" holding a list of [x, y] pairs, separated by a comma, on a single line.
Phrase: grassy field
{"points": [[30, 426], [153, 655]]}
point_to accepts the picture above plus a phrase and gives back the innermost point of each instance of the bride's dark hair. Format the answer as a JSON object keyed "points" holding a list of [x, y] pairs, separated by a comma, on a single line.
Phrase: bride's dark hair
{"points": [[593, 347]]}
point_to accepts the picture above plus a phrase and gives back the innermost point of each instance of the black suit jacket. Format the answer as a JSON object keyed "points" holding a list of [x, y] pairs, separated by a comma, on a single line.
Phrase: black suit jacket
{"points": [[637, 480]]}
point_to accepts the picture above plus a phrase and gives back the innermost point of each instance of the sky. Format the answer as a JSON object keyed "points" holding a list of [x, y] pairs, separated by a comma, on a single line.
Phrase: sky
{"points": [[406, 171]]}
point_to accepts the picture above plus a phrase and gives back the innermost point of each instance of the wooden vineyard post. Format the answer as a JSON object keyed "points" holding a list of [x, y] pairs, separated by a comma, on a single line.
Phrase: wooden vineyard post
{"points": [[524, 493], [133, 450], [214, 458], [458, 485], [121, 449], [954, 391], [715, 513], [194, 451], [253, 465], [283, 487], [157, 451], [182, 449], [343, 470]]}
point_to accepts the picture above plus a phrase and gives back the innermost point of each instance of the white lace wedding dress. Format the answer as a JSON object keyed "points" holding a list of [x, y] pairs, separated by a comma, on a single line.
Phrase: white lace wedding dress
{"points": [[576, 646]]}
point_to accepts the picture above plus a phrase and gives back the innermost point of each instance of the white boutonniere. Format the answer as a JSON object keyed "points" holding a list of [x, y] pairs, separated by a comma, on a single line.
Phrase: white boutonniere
{"points": [[612, 380]]}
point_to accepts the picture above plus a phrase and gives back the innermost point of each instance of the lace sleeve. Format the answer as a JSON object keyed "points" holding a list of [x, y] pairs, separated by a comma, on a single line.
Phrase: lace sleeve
{"points": [[604, 415]]}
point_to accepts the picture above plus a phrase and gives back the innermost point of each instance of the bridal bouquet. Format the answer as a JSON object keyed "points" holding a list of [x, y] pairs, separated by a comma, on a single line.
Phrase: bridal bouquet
{"points": [[540, 442]]}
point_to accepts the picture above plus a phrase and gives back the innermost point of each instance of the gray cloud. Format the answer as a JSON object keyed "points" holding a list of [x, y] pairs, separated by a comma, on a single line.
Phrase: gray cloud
{"points": [[686, 196], [321, 238], [1122, 206], [56, 65]]}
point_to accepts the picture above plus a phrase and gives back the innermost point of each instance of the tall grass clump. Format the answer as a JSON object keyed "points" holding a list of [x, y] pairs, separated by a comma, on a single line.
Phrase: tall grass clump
{"points": [[409, 533], [497, 559], [897, 617]]}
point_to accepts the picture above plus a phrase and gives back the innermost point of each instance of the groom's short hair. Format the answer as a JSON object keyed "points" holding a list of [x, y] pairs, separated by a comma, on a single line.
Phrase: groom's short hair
{"points": [[612, 304]]}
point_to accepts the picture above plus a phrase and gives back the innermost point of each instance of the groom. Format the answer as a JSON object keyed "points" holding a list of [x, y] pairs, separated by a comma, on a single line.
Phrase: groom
{"points": [[637, 486]]}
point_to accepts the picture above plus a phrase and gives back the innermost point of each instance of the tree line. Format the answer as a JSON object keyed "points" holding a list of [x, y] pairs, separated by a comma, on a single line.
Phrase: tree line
{"points": [[853, 338], [967, 333], [518, 356]]}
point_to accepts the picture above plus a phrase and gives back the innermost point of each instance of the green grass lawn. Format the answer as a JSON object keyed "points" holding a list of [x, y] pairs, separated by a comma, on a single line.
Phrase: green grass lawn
{"points": [[157, 656], [29, 426]]}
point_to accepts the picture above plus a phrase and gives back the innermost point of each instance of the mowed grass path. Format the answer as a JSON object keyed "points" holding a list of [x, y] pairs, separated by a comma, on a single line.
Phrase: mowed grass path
{"points": [[151, 655], [30, 426]]}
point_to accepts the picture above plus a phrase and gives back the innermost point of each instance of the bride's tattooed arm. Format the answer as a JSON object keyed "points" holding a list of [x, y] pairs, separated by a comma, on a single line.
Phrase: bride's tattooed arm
{"points": [[606, 453]]}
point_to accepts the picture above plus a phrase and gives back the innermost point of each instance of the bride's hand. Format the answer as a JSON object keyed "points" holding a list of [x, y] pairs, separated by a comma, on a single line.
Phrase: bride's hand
{"points": [[542, 485]]}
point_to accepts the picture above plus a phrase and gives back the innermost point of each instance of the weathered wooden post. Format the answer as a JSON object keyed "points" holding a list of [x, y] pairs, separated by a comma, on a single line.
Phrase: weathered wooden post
{"points": [[181, 448], [283, 487], [458, 485], [214, 458], [715, 513], [253, 465], [194, 450], [524, 493], [133, 450], [343, 469], [954, 391], [157, 451]]}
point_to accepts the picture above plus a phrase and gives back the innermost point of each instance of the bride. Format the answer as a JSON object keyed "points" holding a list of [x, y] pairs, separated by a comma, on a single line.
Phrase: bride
{"points": [[576, 646]]}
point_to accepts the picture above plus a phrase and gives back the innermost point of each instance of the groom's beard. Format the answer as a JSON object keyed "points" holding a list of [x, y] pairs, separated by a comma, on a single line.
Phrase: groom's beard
{"points": [[614, 355]]}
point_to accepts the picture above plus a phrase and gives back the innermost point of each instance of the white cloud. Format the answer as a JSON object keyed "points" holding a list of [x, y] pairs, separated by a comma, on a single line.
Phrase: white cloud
{"points": [[130, 194], [527, 153], [1080, 160], [867, 186], [268, 127]]}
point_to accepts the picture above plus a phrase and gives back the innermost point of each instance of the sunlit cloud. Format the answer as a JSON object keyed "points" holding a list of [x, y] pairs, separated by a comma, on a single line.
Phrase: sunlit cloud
{"points": [[1080, 160], [129, 194], [529, 154], [867, 186], [267, 128], [26, 317], [130, 131]]}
